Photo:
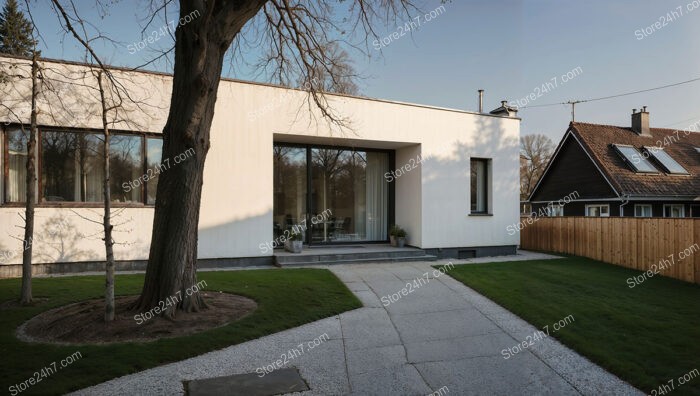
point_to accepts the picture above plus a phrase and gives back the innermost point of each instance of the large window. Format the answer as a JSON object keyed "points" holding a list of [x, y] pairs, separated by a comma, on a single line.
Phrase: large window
{"points": [[480, 169], [70, 167], [674, 210], [598, 210]]}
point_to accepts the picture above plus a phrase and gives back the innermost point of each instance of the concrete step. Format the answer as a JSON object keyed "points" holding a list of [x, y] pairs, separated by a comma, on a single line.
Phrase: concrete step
{"points": [[308, 256], [344, 259]]}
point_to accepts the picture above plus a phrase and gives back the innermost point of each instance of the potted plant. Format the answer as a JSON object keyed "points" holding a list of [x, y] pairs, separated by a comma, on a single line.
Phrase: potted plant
{"points": [[294, 243], [400, 237], [392, 234]]}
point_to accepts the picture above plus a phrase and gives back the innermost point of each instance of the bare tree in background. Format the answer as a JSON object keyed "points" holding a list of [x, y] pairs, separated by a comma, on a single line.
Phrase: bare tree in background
{"points": [[338, 77], [536, 150]]}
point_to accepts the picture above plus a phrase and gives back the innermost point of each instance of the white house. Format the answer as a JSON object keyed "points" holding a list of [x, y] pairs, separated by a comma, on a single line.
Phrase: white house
{"points": [[448, 177]]}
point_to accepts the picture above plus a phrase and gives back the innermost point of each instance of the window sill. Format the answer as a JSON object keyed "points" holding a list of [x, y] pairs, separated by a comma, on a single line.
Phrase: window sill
{"points": [[481, 214]]}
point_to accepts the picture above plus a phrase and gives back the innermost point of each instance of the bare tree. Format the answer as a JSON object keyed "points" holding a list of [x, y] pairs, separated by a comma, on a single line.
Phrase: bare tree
{"points": [[304, 39], [30, 166], [298, 34], [536, 150], [107, 221], [117, 92], [26, 293]]}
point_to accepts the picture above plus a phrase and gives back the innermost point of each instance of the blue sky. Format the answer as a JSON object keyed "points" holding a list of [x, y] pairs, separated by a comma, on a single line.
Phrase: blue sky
{"points": [[510, 48]]}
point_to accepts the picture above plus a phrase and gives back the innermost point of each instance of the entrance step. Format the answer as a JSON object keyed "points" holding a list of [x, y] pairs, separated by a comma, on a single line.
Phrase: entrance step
{"points": [[351, 254]]}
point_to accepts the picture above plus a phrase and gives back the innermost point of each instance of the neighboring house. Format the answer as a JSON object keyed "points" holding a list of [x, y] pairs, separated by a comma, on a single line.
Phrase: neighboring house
{"points": [[448, 177], [616, 171]]}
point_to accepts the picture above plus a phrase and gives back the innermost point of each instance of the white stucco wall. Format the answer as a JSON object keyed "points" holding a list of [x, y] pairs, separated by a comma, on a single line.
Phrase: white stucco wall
{"points": [[432, 201]]}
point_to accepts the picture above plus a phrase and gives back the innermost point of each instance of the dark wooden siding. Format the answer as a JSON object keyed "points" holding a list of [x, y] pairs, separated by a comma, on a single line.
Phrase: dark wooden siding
{"points": [[572, 170]]}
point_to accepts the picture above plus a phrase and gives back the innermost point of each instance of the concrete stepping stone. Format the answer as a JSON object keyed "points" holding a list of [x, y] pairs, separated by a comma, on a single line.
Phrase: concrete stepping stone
{"points": [[286, 380]]}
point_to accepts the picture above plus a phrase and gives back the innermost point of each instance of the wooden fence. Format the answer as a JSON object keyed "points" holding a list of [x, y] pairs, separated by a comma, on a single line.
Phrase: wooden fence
{"points": [[636, 243]]}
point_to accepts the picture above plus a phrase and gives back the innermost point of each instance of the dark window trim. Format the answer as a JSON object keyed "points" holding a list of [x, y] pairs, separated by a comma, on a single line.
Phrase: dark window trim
{"points": [[487, 187], [391, 204], [39, 166]]}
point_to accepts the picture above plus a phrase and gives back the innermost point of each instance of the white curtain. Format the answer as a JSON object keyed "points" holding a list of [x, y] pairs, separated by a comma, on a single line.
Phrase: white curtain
{"points": [[88, 173], [17, 177], [376, 189]]}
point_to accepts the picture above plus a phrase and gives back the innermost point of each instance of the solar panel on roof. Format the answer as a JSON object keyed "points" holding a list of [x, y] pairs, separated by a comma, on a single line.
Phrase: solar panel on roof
{"points": [[666, 160], [635, 159]]}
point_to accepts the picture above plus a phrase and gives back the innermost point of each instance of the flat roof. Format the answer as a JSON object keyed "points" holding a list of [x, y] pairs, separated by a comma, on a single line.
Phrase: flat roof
{"points": [[227, 79]]}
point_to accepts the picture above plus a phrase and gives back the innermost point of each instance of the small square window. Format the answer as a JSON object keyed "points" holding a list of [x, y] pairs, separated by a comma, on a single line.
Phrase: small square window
{"points": [[555, 210], [642, 211], [598, 210], [674, 210]]}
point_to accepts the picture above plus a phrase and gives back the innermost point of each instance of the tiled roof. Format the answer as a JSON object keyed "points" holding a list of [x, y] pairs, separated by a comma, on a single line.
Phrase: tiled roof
{"points": [[681, 145]]}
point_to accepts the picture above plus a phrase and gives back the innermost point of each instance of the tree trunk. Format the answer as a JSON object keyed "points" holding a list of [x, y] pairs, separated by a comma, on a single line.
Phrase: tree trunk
{"points": [[107, 222], [200, 47], [26, 293]]}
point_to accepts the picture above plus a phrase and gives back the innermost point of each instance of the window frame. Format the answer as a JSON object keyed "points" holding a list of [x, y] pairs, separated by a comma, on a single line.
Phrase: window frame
{"points": [[671, 206], [550, 212], [600, 206], [487, 187], [39, 164], [5, 163], [693, 213], [651, 210]]}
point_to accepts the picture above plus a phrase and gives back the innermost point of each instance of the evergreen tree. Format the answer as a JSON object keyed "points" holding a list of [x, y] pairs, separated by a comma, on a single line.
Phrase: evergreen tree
{"points": [[15, 31]]}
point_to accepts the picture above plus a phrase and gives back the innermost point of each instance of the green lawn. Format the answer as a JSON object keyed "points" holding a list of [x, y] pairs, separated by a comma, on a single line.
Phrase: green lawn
{"points": [[286, 298], [646, 335]]}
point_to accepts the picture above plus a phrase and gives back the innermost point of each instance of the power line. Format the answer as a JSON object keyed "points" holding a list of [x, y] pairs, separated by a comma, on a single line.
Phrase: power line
{"points": [[696, 119], [573, 102]]}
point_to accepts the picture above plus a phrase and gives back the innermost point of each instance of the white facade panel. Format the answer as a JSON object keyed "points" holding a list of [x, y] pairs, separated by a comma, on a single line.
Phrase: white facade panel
{"points": [[432, 200]]}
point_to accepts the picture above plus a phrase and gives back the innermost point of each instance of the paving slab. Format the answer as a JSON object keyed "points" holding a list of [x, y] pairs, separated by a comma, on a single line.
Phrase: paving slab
{"points": [[458, 348], [443, 325], [361, 361], [492, 375]]}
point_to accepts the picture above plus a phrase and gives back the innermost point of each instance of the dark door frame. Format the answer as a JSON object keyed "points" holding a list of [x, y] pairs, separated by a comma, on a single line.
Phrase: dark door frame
{"points": [[391, 193]]}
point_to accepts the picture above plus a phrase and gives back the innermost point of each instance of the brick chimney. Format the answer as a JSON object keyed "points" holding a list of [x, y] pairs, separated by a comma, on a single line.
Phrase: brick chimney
{"points": [[640, 122]]}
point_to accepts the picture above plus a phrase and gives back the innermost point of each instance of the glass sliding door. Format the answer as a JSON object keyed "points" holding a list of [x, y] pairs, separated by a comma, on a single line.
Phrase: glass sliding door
{"points": [[289, 202], [333, 194], [349, 192]]}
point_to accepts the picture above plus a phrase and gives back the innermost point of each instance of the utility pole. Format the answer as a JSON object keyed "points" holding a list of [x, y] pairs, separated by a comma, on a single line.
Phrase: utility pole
{"points": [[573, 108]]}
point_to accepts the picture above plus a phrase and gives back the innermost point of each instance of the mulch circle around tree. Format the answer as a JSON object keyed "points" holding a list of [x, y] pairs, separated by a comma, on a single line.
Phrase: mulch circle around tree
{"points": [[83, 322]]}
